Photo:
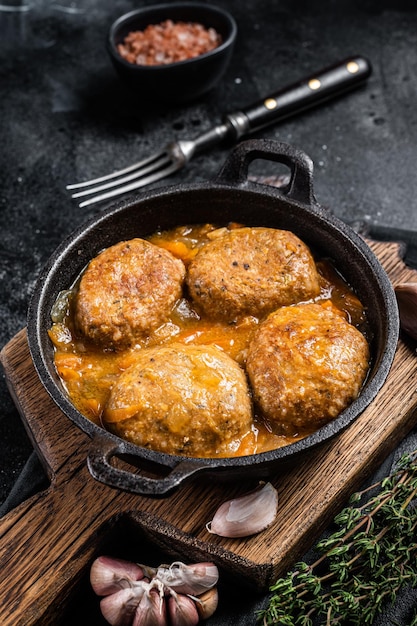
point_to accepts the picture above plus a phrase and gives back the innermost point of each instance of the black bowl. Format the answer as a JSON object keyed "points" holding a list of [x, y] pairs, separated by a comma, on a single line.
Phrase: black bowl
{"points": [[174, 82], [229, 197]]}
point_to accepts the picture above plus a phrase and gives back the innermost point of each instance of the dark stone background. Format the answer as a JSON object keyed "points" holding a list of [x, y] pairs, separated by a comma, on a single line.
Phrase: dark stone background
{"points": [[64, 116]]}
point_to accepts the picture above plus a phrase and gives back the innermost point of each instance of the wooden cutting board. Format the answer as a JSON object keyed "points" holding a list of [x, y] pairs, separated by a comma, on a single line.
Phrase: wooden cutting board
{"points": [[48, 542]]}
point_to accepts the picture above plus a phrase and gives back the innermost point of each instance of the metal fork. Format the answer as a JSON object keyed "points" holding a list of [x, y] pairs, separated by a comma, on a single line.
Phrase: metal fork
{"points": [[328, 83]]}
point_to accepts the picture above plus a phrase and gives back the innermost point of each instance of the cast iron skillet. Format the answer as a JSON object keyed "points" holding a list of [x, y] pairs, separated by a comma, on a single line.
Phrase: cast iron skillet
{"points": [[231, 196]]}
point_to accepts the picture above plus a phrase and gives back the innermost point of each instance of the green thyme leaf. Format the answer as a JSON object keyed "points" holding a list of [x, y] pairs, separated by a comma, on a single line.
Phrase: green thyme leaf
{"points": [[362, 565]]}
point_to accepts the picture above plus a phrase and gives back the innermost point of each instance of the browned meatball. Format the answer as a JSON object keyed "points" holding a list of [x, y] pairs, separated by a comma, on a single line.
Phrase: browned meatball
{"points": [[126, 291], [181, 399], [306, 364], [252, 271]]}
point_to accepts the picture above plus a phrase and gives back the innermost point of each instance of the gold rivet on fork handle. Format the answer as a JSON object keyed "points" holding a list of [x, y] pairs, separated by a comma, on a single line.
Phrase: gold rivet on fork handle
{"points": [[314, 84], [270, 104], [352, 67]]}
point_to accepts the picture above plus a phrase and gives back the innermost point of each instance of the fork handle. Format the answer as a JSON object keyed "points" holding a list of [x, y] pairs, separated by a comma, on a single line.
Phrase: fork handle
{"points": [[302, 95]]}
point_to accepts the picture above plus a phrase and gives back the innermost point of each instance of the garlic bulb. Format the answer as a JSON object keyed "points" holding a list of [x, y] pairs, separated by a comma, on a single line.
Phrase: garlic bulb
{"points": [[406, 294], [247, 515], [169, 595]]}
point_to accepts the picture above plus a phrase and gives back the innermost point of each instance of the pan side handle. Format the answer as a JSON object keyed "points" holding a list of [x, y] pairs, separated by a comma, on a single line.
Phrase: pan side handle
{"points": [[99, 463], [236, 168]]}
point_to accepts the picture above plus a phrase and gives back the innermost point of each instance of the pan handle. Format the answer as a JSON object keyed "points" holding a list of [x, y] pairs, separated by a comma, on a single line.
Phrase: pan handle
{"points": [[236, 168], [103, 450]]}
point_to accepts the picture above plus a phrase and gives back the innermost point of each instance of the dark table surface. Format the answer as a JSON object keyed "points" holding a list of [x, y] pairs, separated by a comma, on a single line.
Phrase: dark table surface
{"points": [[64, 116]]}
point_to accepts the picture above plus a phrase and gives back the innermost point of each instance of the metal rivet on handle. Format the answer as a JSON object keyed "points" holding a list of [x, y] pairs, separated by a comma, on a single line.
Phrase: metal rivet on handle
{"points": [[270, 104], [314, 84], [352, 67]]}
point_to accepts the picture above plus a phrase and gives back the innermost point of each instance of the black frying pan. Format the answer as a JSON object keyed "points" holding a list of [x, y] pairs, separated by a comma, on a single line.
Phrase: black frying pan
{"points": [[231, 196]]}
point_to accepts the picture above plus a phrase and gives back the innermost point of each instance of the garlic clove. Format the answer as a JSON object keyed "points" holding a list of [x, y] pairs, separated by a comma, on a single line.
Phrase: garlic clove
{"points": [[247, 515], [207, 603], [118, 608], [182, 610], [108, 575], [191, 579], [151, 611], [406, 294]]}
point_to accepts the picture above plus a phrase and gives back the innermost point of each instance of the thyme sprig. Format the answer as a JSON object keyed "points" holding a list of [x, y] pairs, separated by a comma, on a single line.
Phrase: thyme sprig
{"points": [[362, 565]]}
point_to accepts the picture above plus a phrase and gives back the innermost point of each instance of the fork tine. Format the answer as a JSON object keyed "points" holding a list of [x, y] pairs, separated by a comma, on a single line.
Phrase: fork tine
{"points": [[132, 186], [125, 170], [163, 160]]}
